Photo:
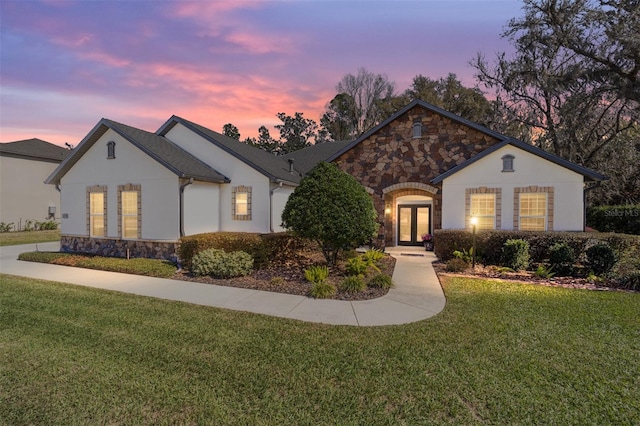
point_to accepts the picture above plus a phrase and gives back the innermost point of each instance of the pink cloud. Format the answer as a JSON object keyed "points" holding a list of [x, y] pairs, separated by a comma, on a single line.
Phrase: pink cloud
{"points": [[261, 43]]}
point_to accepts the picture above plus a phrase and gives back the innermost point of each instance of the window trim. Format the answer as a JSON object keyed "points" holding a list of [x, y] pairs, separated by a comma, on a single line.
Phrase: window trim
{"points": [[111, 150], [130, 188], [416, 131], [497, 206], [234, 206], [533, 189], [96, 189]]}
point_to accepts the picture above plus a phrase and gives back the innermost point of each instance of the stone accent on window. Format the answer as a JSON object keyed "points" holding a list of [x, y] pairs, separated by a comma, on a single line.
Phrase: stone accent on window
{"points": [[96, 189], [533, 189], [133, 188], [410, 185], [483, 190], [241, 202]]}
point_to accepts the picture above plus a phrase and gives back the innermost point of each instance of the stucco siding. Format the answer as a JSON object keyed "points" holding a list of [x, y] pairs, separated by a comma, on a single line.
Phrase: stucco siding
{"points": [[24, 195], [529, 170], [201, 208], [159, 189], [238, 172], [279, 200]]}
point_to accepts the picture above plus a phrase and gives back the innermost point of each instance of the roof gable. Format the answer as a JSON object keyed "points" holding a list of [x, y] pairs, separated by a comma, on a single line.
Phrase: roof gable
{"points": [[34, 149], [427, 106], [276, 168], [171, 156], [587, 173]]}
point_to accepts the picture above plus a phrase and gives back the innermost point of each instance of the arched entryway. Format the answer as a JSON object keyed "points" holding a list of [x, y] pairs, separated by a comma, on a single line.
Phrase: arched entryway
{"points": [[409, 213]]}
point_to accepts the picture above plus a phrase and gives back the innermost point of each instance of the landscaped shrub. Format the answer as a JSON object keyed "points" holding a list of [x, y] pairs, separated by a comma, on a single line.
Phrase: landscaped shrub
{"points": [[463, 254], [356, 266], [219, 264], [515, 254], [562, 258], [322, 290], [353, 284], [629, 281], [6, 227], [316, 274], [380, 281], [544, 272], [456, 265], [600, 258], [372, 256], [624, 219]]}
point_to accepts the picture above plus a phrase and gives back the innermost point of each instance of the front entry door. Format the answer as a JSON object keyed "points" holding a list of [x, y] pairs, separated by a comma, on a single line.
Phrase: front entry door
{"points": [[413, 222]]}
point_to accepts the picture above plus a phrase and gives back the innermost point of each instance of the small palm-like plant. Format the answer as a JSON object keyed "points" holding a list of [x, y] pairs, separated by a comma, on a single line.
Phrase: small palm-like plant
{"points": [[316, 274]]}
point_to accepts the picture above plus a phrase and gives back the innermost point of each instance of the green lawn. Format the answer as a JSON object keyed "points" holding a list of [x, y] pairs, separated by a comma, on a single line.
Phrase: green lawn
{"points": [[17, 238], [499, 353]]}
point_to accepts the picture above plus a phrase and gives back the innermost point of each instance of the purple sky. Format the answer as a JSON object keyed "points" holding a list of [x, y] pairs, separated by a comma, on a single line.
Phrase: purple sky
{"points": [[66, 64]]}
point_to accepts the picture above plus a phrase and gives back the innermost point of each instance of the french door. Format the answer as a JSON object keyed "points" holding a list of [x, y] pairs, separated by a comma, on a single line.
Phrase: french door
{"points": [[413, 222]]}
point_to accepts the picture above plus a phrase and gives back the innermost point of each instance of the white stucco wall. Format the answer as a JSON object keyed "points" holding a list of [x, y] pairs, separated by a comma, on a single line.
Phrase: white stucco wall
{"points": [[201, 208], [529, 170], [238, 172], [159, 196], [279, 200], [23, 193]]}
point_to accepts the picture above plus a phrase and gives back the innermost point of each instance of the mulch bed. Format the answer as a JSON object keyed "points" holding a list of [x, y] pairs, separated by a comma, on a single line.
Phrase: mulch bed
{"points": [[289, 278], [526, 277]]}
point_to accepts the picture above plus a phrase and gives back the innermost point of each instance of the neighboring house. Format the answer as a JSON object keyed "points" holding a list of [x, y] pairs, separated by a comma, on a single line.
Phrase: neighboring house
{"points": [[125, 190], [24, 166]]}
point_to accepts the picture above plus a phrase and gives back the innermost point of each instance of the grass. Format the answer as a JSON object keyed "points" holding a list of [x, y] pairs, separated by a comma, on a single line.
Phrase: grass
{"points": [[28, 237], [138, 266], [501, 353]]}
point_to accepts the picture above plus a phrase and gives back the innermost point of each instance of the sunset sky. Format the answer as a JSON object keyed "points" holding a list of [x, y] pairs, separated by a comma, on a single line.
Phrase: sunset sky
{"points": [[66, 64]]}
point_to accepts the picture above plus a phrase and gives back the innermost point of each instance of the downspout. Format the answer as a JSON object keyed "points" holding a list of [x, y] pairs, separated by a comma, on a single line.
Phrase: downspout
{"points": [[271, 205], [182, 187], [584, 203]]}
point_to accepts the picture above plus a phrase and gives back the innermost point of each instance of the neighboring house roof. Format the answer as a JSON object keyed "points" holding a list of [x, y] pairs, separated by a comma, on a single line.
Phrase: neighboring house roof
{"points": [[587, 173], [162, 150], [34, 149], [307, 158], [427, 106], [276, 168]]}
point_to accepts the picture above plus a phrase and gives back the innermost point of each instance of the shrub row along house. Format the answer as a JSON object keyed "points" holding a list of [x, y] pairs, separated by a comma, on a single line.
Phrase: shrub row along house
{"points": [[124, 188]]}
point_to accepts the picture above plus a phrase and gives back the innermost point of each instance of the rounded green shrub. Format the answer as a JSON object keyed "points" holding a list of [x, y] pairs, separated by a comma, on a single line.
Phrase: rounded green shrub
{"points": [[381, 281], [353, 284], [456, 265], [322, 290], [600, 258], [562, 258], [220, 264], [515, 254]]}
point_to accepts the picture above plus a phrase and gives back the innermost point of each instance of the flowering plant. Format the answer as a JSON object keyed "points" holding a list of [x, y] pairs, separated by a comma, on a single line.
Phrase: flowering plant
{"points": [[427, 237]]}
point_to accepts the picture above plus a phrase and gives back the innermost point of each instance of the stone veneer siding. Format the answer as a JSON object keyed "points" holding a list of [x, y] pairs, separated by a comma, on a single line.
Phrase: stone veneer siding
{"points": [[114, 247], [392, 155]]}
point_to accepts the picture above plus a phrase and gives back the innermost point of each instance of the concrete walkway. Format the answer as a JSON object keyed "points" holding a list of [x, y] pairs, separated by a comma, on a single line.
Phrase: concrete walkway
{"points": [[416, 296]]}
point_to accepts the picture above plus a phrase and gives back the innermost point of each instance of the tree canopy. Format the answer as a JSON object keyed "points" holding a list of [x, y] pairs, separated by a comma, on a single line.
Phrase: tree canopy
{"points": [[332, 208]]}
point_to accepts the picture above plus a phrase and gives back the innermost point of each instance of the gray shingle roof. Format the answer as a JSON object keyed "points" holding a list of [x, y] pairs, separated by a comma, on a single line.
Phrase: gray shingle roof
{"points": [[587, 173], [307, 158], [274, 167], [34, 149], [162, 150]]}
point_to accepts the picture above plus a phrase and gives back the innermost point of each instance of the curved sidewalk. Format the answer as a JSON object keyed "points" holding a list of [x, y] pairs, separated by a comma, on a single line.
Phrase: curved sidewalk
{"points": [[416, 296]]}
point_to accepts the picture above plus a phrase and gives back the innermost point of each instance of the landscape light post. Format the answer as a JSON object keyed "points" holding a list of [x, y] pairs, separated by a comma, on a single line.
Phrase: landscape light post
{"points": [[474, 222]]}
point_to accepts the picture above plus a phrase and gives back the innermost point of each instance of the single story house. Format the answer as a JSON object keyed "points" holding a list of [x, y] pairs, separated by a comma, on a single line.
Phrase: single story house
{"points": [[128, 189], [24, 165]]}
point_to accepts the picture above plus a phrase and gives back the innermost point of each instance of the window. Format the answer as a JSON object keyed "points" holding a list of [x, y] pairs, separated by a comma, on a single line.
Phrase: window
{"points": [[507, 163], [129, 214], [417, 130], [96, 214], [241, 203], [111, 150], [129, 211], [483, 207], [533, 211]]}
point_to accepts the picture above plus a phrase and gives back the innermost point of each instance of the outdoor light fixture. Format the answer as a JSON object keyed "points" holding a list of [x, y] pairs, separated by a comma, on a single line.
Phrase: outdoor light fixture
{"points": [[474, 222], [387, 209]]}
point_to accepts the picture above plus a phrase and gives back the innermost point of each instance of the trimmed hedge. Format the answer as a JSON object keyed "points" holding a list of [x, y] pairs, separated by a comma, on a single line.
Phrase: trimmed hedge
{"points": [[489, 243], [263, 248], [623, 219]]}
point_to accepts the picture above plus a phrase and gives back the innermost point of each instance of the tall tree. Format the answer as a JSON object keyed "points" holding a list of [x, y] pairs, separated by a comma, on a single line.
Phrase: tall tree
{"points": [[231, 131], [296, 132], [264, 141], [339, 119], [560, 94], [361, 99]]}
